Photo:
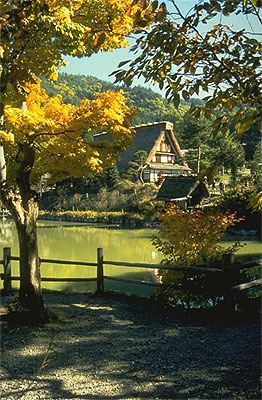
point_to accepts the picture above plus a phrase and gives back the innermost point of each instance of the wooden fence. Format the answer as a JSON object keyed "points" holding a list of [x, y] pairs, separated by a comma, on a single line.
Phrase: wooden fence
{"points": [[227, 270]]}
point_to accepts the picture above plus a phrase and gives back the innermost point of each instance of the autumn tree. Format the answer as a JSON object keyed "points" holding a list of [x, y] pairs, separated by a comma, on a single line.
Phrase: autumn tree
{"points": [[46, 138], [190, 239], [41, 137], [152, 107]]}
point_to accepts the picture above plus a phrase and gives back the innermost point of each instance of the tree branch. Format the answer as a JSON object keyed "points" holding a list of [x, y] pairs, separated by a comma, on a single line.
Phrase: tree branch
{"points": [[221, 62], [256, 12]]}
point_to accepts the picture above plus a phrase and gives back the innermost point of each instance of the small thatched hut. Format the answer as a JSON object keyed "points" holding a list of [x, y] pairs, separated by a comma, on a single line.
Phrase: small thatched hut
{"points": [[185, 191]]}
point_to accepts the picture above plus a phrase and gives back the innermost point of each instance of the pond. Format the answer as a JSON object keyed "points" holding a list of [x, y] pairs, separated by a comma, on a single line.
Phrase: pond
{"points": [[79, 242]]}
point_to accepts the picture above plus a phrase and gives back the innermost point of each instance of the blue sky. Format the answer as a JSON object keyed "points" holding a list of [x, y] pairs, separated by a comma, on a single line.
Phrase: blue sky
{"points": [[102, 64]]}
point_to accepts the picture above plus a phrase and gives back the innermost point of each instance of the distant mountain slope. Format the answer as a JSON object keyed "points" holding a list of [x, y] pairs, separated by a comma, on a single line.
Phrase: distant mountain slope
{"points": [[152, 106]]}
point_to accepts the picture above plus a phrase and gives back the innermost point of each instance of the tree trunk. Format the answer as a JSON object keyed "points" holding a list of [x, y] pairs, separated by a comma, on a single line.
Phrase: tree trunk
{"points": [[198, 158], [30, 294], [234, 175], [141, 170], [24, 213], [2, 154], [23, 204]]}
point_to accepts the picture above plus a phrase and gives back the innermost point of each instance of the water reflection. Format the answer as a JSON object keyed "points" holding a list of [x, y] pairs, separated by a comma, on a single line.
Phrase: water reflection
{"points": [[70, 241], [65, 241], [251, 246]]}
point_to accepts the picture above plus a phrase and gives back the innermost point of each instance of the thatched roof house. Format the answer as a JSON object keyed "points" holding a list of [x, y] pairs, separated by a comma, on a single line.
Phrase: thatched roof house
{"points": [[185, 191], [164, 154]]}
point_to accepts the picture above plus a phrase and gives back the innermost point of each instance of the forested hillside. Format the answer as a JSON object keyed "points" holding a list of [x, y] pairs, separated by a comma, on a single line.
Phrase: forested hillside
{"points": [[225, 152], [152, 107]]}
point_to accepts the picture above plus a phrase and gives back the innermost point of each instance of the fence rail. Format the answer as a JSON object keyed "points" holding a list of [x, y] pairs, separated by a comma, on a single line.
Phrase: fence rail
{"points": [[247, 285], [226, 269], [190, 270]]}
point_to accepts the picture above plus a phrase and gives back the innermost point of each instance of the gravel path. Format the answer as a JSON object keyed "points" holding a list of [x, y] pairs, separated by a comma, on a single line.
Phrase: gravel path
{"points": [[120, 348]]}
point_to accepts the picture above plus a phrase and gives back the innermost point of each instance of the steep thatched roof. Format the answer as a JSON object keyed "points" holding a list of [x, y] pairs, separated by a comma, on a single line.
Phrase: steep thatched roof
{"points": [[147, 138], [181, 188]]}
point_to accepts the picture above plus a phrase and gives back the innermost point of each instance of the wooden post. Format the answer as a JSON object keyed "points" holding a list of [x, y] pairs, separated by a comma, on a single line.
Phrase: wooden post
{"points": [[228, 275], [100, 271], [7, 269]]}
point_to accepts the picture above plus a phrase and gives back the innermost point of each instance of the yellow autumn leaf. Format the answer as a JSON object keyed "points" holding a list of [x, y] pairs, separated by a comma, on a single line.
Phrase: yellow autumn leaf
{"points": [[55, 131]]}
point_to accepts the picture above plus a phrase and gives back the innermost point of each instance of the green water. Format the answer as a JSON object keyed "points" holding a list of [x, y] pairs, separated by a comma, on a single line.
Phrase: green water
{"points": [[69, 241]]}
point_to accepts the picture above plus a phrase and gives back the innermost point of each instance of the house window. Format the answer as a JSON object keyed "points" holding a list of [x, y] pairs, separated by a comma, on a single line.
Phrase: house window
{"points": [[163, 159], [154, 158], [158, 158]]}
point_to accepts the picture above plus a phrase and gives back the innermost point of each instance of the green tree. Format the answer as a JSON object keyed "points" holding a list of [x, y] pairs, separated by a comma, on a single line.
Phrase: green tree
{"points": [[111, 176], [228, 154], [222, 61], [249, 140], [137, 165], [256, 165], [196, 137]]}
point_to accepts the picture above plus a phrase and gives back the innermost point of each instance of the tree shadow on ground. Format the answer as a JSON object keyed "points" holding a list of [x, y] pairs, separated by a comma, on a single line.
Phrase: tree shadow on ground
{"points": [[114, 347]]}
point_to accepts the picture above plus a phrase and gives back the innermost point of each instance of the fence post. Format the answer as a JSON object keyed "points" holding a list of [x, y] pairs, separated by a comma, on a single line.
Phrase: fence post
{"points": [[7, 269], [229, 281], [100, 271]]}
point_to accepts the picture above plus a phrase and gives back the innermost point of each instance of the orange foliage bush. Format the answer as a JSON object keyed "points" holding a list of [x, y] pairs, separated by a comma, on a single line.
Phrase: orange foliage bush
{"points": [[191, 239]]}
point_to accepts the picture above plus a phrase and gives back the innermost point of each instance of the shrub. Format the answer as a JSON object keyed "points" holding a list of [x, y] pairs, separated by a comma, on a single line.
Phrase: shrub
{"points": [[237, 200], [148, 209], [191, 239]]}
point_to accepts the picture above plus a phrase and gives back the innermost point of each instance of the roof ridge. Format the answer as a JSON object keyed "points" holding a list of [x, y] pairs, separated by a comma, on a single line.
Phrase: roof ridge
{"points": [[169, 125]]}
